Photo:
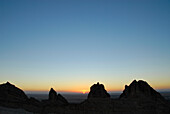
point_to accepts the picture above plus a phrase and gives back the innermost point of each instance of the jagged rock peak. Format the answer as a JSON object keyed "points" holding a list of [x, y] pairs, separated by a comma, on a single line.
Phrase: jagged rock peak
{"points": [[10, 93], [98, 91], [52, 95], [8, 84], [140, 89], [56, 98]]}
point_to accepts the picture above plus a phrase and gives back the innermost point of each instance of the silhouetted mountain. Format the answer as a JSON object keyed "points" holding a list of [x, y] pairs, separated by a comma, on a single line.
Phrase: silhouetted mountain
{"points": [[98, 91], [9, 94], [140, 89], [55, 99], [52, 95], [140, 96]]}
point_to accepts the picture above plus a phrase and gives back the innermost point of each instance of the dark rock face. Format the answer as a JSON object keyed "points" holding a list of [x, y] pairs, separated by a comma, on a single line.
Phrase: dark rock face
{"points": [[10, 93], [55, 99], [139, 96], [98, 91], [140, 89], [62, 99], [52, 95], [13, 97]]}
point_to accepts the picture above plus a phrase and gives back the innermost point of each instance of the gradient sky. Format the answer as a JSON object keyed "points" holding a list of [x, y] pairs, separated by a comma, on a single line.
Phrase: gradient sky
{"points": [[71, 44]]}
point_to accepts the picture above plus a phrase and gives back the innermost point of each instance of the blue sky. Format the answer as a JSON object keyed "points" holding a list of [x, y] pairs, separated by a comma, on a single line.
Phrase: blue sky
{"points": [[71, 44]]}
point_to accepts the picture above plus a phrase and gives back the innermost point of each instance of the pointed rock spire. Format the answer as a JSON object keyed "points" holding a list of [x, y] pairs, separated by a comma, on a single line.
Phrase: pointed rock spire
{"points": [[52, 95], [56, 98]]}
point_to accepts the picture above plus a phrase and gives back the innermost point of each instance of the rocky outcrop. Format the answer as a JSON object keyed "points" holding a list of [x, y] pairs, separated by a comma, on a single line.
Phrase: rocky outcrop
{"points": [[52, 95], [138, 97], [9, 94], [98, 91], [13, 97], [98, 101], [55, 99], [140, 89], [58, 98]]}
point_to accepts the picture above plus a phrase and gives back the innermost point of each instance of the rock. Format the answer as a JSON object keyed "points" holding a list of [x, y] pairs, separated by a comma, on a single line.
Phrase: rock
{"points": [[10, 93], [33, 105], [55, 99], [52, 95], [141, 97], [98, 101], [98, 91], [33, 101], [13, 97], [140, 89], [62, 99]]}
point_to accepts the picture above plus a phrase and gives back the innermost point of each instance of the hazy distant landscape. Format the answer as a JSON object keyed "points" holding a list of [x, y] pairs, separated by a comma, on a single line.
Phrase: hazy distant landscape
{"points": [[72, 98], [79, 97]]}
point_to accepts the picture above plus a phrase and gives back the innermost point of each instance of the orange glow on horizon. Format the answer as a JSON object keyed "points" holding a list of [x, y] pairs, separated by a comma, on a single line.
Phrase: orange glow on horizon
{"points": [[75, 90], [58, 91], [84, 91]]}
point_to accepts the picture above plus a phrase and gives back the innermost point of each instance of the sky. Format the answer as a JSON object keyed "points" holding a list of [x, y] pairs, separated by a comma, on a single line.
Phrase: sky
{"points": [[71, 44]]}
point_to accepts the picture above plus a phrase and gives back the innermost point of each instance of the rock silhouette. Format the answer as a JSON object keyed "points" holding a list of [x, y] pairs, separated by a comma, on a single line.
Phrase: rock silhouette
{"points": [[52, 95], [137, 98], [56, 98], [98, 91], [62, 99], [140, 89], [9, 94]]}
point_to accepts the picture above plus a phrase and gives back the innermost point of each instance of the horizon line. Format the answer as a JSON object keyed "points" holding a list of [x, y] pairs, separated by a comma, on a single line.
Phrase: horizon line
{"points": [[80, 92]]}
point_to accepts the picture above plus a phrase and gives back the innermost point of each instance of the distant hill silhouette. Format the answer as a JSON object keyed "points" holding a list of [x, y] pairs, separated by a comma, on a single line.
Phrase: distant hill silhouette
{"points": [[9, 95], [98, 91], [140, 90], [137, 98], [54, 99]]}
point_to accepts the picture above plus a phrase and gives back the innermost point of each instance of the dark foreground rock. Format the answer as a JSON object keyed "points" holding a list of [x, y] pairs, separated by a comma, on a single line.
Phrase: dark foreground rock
{"points": [[11, 95]]}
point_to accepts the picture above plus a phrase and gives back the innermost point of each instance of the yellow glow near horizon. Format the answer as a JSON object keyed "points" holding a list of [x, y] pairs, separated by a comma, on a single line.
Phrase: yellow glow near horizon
{"points": [[84, 91]]}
